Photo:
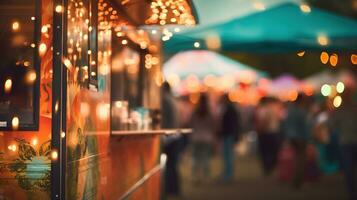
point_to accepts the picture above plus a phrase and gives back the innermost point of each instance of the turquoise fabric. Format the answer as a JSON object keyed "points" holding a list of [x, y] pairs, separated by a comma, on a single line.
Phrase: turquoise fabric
{"points": [[278, 29]]}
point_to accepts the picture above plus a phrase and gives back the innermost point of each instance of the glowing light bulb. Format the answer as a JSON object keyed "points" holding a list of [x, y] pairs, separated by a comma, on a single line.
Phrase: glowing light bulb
{"points": [[322, 40], [54, 155], [15, 123], [305, 8], [354, 58], [59, 9], [42, 49], [333, 60], [340, 87], [337, 101], [301, 54], [8, 85], [34, 141], [44, 29], [326, 90], [324, 57], [124, 42], [196, 45], [15, 26]]}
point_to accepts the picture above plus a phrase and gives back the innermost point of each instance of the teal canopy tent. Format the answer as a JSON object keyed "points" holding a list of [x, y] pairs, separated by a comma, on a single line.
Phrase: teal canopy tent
{"points": [[286, 27]]}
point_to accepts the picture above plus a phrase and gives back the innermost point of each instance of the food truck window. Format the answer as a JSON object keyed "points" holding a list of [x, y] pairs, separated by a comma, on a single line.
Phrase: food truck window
{"points": [[19, 66]]}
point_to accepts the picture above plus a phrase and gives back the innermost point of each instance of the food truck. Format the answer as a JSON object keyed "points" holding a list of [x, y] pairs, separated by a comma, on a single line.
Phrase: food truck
{"points": [[80, 97]]}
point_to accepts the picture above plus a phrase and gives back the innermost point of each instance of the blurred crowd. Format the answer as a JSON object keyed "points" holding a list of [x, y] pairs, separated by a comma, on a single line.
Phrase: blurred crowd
{"points": [[297, 141]]}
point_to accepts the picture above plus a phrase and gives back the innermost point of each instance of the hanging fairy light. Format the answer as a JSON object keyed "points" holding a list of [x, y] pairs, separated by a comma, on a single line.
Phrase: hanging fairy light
{"points": [[337, 101], [170, 12], [196, 45], [301, 53], [8, 85], [323, 40], [324, 57], [305, 8], [354, 59], [16, 26], [15, 123], [340, 87], [333, 60], [326, 90]]}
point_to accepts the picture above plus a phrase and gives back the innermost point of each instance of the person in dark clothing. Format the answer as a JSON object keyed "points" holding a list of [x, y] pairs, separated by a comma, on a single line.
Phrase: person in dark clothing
{"points": [[268, 119], [230, 127], [171, 145]]}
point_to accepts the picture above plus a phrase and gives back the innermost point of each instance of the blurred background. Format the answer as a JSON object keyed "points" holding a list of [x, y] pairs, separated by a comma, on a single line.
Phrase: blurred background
{"points": [[269, 90]]}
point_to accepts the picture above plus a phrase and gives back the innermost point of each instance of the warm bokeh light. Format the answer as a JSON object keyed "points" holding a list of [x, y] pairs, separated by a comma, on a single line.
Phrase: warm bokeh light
{"points": [[209, 80], [15, 26], [340, 87], [103, 111], [259, 6], [12, 147], [34, 141], [42, 49], [173, 80], [305, 8], [301, 53], [31, 77], [323, 40], [334, 60], [8, 85], [213, 42], [354, 59], [326, 90], [15, 123], [44, 29], [324, 57], [84, 109], [337, 101], [124, 42], [292, 95], [63, 134], [59, 9], [54, 155]]}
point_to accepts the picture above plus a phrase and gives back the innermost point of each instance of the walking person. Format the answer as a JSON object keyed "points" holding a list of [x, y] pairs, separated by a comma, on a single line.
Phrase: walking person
{"points": [[171, 145], [202, 139], [229, 130], [269, 115]]}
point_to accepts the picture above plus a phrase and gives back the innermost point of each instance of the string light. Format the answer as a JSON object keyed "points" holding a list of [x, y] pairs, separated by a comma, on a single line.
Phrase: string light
{"points": [[8, 85], [15, 123], [301, 53], [326, 90], [337, 101], [305, 8], [322, 40], [34, 141], [340, 87], [59, 9], [333, 60], [354, 59], [15, 26], [324, 57], [196, 45], [54, 155]]}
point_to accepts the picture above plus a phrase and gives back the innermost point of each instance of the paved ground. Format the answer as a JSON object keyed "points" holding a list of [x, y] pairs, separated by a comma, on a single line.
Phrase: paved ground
{"points": [[250, 185]]}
